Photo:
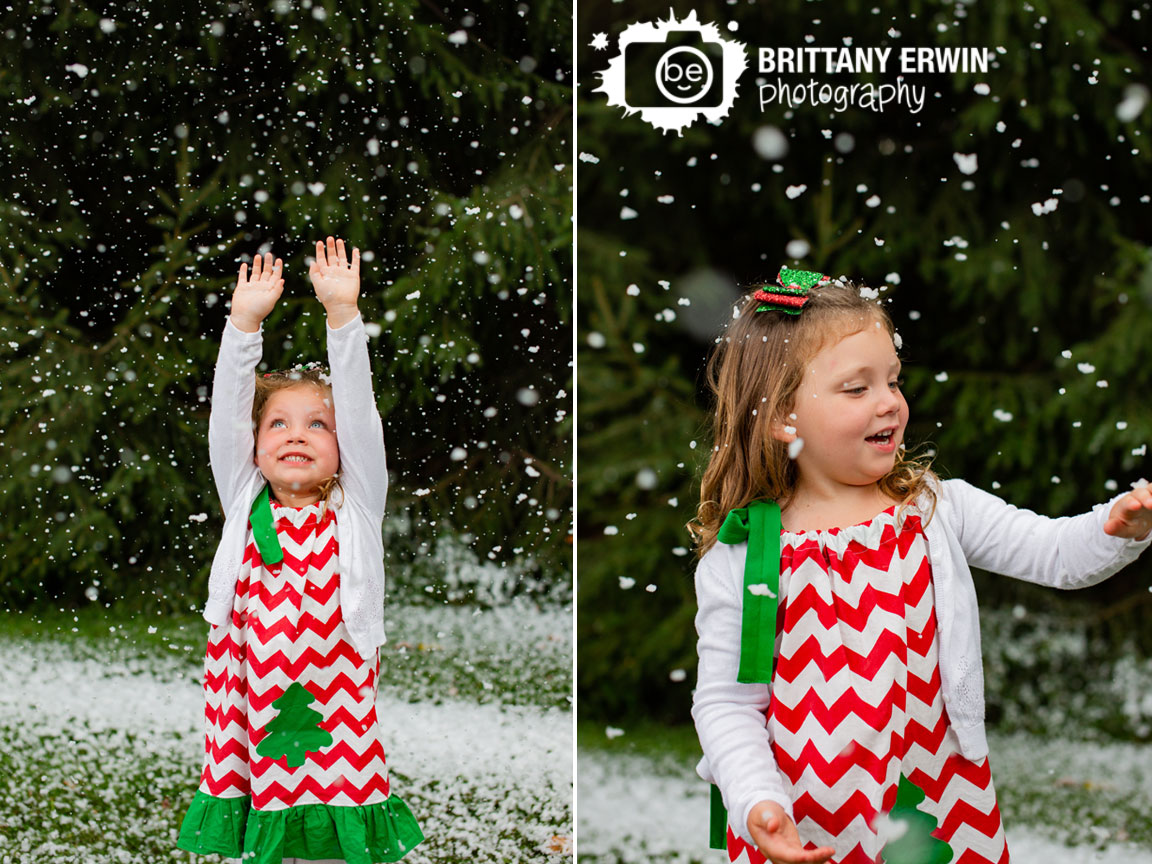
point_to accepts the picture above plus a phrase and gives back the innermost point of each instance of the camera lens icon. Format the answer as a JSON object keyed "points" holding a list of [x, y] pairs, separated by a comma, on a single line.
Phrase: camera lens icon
{"points": [[684, 75], [681, 69]]}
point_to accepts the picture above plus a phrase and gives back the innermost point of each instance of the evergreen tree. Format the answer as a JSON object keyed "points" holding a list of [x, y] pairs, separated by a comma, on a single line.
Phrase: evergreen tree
{"points": [[150, 146], [295, 731]]}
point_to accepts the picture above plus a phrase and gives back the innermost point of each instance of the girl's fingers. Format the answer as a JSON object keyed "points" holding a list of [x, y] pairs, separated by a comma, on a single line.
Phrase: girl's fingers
{"points": [[812, 855], [1114, 526], [796, 855], [331, 250], [243, 274], [257, 267], [355, 261]]}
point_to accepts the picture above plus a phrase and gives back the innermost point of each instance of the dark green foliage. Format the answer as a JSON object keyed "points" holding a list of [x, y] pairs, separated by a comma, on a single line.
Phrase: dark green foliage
{"points": [[148, 147], [1046, 318]]}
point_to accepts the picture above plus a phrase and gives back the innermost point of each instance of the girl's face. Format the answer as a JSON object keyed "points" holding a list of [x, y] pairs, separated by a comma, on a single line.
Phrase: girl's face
{"points": [[296, 442], [850, 413]]}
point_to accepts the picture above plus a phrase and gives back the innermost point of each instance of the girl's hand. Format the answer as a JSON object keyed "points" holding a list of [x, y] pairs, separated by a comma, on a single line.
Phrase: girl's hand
{"points": [[777, 838], [1131, 516], [256, 295], [336, 282]]}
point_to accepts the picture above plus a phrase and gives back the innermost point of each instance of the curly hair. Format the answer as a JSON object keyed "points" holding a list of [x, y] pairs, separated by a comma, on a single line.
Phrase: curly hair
{"points": [[753, 375]]}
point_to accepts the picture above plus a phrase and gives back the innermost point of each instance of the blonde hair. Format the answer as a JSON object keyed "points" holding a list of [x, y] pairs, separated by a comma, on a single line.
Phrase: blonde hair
{"points": [[753, 374], [269, 383]]}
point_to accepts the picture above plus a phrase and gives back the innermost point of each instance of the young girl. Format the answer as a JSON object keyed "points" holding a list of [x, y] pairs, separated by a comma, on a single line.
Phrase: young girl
{"points": [[874, 673], [294, 766]]}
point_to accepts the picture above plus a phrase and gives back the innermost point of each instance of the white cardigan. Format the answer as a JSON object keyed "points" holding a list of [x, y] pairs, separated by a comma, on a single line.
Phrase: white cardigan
{"points": [[363, 476], [970, 526]]}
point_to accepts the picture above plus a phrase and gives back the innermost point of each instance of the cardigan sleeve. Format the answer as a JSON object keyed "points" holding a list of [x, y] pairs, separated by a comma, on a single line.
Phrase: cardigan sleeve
{"points": [[1067, 552], [359, 431], [729, 716], [231, 444]]}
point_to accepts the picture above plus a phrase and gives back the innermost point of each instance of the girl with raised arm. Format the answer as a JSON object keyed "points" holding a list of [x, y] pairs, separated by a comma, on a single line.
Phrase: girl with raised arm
{"points": [[294, 766]]}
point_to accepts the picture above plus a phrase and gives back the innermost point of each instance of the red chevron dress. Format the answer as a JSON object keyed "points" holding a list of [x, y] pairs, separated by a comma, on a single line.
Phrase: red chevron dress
{"points": [[323, 758], [856, 696]]}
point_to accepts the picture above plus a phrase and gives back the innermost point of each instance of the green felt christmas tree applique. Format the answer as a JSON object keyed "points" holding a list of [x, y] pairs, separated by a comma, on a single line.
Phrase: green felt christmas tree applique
{"points": [[294, 731], [915, 843]]}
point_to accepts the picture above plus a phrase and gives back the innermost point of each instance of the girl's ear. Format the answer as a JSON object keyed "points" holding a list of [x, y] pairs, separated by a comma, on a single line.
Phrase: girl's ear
{"points": [[783, 431]]}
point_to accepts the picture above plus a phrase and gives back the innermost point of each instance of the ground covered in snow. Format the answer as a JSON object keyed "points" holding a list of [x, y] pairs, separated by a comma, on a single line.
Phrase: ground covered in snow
{"points": [[1061, 800], [102, 723]]}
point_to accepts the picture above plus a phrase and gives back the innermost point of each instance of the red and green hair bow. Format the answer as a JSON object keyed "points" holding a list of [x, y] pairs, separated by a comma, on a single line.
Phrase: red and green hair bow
{"points": [[792, 293]]}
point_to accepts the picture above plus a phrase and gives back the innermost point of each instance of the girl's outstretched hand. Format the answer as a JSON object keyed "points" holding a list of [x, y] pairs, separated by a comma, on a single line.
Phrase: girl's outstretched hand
{"points": [[256, 294], [777, 838], [1131, 516], [336, 281]]}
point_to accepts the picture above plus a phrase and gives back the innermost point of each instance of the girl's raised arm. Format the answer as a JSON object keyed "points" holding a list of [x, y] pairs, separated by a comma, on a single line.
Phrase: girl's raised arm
{"points": [[256, 295], [363, 471], [1065, 552], [230, 440], [336, 281]]}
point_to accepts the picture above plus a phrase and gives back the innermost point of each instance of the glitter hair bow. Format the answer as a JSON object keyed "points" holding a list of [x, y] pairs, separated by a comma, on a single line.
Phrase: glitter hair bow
{"points": [[793, 292]]}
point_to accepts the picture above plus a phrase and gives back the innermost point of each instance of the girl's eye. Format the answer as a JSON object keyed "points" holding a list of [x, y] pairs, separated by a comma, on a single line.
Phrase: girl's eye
{"points": [[855, 391], [276, 423], [897, 384], [319, 423]]}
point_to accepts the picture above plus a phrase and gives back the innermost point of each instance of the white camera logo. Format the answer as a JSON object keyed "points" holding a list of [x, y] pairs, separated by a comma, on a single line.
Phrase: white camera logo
{"points": [[674, 72]]}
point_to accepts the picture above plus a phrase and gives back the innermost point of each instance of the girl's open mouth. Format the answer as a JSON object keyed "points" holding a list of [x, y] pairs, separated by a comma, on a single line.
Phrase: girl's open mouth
{"points": [[885, 441]]}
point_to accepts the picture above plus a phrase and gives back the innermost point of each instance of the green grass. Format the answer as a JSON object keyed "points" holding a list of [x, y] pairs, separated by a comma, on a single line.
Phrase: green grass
{"points": [[1075, 791], [674, 746], [482, 655], [91, 791]]}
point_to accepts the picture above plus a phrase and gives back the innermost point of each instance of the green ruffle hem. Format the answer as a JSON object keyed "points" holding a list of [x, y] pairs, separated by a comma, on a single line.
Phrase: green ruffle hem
{"points": [[368, 834]]}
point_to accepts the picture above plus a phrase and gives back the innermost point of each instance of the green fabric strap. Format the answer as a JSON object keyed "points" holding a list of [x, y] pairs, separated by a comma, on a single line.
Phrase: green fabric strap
{"points": [[759, 524], [263, 530], [718, 821]]}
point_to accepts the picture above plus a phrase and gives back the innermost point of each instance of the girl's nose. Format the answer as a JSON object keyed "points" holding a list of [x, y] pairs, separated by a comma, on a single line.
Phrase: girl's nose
{"points": [[889, 403]]}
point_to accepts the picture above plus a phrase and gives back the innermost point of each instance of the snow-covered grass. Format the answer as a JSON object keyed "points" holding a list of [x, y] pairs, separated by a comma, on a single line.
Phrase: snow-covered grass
{"points": [[1062, 800], [102, 729], [513, 654]]}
